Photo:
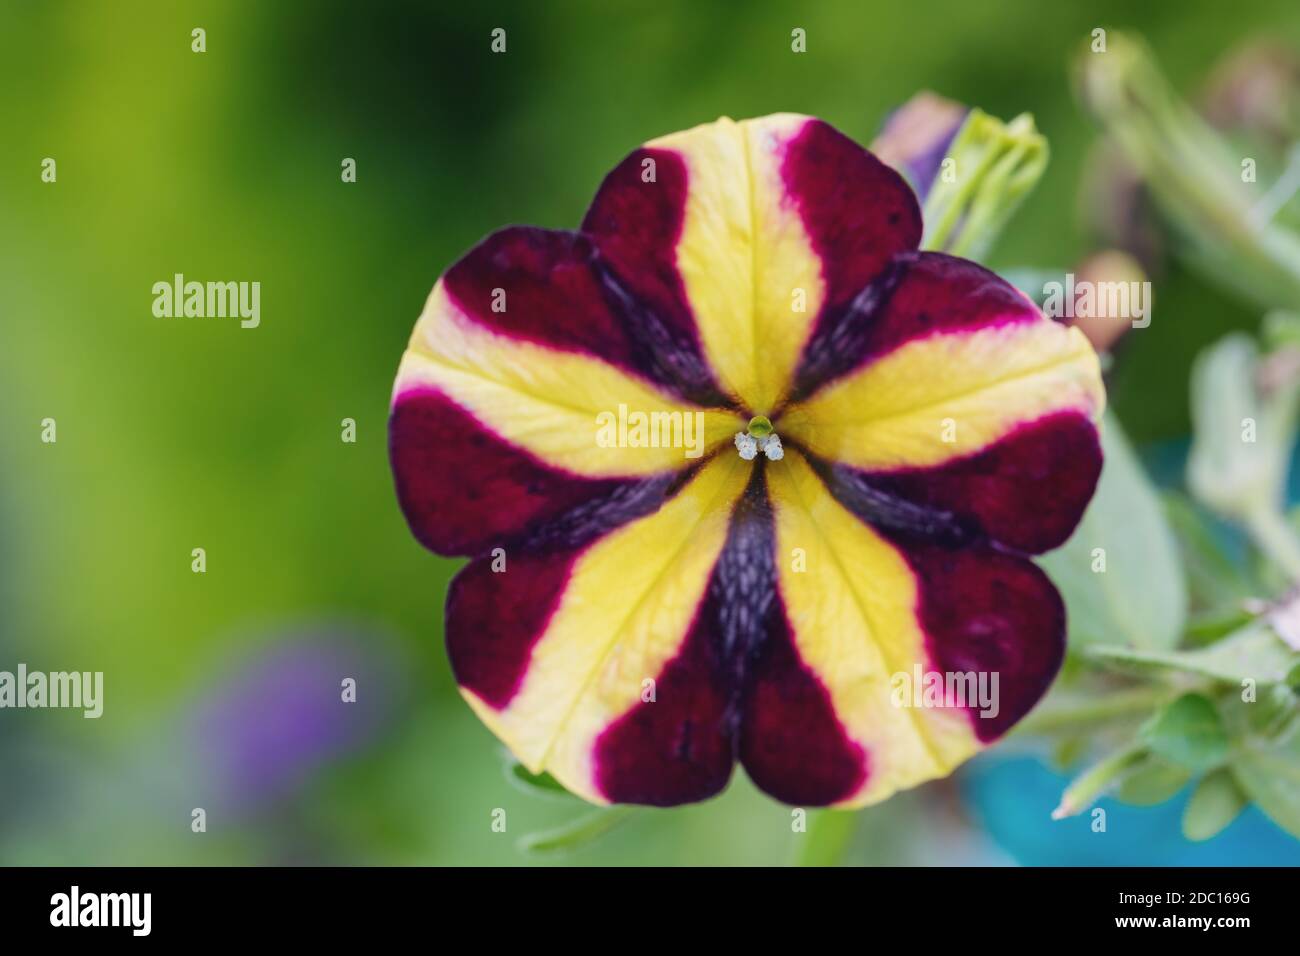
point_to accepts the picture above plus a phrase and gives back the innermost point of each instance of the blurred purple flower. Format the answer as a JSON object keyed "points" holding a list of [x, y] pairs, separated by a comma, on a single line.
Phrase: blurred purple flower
{"points": [[282, 717]]}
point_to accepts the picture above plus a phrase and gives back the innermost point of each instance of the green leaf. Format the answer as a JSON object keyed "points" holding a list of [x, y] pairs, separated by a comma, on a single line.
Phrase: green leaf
{"points": [[1265, 756], [1068, 751], [1252, 653], [538, 784], [1210, 626], [1242, 437], [1153, 781], [575, 834], [1268, 770], [1213, 578], [1215, 803], [1188, 732], [1140, 599]]}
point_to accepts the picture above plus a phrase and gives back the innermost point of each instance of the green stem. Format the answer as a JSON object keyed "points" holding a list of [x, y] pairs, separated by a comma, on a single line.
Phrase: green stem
{"points": [[1092, 783], [1076, 715], [576, 833], [1192, 174], [1280, 193]]}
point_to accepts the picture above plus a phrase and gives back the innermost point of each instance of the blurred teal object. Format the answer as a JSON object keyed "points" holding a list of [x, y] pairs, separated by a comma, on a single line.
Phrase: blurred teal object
{"points": [[1013, 797]]}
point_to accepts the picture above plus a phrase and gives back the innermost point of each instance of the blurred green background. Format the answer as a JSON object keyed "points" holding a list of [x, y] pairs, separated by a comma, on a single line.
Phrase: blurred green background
{"points": [[175, 434]]}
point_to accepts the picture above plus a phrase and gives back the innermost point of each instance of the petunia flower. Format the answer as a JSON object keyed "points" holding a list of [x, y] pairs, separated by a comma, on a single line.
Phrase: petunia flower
{"points": [[634, 620]]}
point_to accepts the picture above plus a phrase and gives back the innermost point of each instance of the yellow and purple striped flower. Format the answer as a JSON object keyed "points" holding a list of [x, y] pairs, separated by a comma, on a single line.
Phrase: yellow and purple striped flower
{"points": [[635, 621]]}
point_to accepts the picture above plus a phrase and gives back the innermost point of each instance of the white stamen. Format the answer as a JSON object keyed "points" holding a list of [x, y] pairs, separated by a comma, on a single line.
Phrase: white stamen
{"points": [[746, 445], [750, 445]]}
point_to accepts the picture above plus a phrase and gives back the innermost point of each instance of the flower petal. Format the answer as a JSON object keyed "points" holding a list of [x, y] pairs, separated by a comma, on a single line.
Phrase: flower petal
{"points": [[554, 652], [994, 437], [863, 608], [680, 746], [746, 232], [464, 488], [940, 375], [1027, 491], [792, 743], [496, 422], [921, 294], [553, 288]]}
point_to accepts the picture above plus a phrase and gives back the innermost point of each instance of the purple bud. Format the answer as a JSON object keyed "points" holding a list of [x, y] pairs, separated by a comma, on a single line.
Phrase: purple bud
{"points": [[916, 136]]}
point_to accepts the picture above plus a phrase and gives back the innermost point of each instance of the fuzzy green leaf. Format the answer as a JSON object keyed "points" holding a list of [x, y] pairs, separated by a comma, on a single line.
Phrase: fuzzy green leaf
{"points": [[1265, 762], [1252, 653], [1215, 803], [1187, 732], [1140, 599], [1153, 781]]}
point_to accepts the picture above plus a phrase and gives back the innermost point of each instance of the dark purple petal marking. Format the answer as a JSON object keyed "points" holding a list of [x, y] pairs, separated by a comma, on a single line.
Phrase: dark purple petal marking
{"points": [[464, 489], [495, 617], [888, 510], [679, 747], [986, 611], [919, 295], [1026, 491], [742, 593], [561, 293], [592, 519], [859, 214], [736, 688], [792, 744], [552, 295], [636, 225]]}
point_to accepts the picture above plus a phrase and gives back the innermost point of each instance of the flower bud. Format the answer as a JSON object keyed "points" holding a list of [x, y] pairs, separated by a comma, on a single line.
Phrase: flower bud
{"points": [[916, 137]]}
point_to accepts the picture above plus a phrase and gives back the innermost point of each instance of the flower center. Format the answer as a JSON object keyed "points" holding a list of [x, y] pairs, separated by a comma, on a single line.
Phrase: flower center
{"points": [[759, 436]]}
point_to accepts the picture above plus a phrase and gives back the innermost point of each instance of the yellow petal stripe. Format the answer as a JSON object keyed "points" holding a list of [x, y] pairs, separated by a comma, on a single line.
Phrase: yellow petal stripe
{"points": [[557, 405], [948, 395], [852, 610], [625, 613], [748, 266]]}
